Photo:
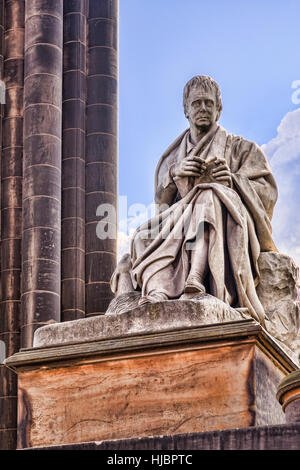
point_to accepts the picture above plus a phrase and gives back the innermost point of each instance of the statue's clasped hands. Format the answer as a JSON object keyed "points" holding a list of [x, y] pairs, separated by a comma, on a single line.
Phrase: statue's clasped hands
{"points": [[221, 172], [190, 166], [217, 168]]}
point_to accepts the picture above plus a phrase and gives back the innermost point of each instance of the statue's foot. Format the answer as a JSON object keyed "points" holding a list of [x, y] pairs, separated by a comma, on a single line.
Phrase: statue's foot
{"points": [[154, 297], [193, 286]]}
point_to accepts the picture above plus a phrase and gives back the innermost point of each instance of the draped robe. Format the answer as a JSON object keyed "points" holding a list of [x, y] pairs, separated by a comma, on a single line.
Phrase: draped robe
{"points": [[238, 221]]}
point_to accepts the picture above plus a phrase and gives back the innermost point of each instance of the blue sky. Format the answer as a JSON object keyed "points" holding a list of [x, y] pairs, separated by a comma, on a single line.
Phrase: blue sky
{"points": [[251, 48]]}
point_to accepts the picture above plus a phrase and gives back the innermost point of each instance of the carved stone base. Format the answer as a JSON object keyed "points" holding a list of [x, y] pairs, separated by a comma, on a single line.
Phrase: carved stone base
{"points": [[152, 377]]}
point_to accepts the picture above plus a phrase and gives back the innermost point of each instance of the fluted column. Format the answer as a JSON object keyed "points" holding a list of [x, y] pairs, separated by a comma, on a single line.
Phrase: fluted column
{"points": [[41, 249], [73, 160], [11, 209], [101, 151]]}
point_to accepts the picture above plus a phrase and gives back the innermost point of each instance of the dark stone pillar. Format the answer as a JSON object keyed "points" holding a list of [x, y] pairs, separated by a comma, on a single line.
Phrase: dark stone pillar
{"points": [[11, 212], [73, 160], [101, 152], [41, 266]]}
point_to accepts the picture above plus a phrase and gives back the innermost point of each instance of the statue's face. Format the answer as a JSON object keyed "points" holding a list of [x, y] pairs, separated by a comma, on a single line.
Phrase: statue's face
{"points": [[202, 108]]}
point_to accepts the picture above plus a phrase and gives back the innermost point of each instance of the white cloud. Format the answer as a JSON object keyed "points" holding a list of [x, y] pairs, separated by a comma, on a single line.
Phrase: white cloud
{"points": [[285, 147], [124, 243], [283, 153]]}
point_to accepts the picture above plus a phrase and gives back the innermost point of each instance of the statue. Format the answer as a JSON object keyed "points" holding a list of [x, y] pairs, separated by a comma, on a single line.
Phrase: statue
{"points": [[216, 195]]}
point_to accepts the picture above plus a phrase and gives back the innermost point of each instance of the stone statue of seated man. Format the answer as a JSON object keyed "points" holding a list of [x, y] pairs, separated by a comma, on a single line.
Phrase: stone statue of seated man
{"points": [[216, 195]]}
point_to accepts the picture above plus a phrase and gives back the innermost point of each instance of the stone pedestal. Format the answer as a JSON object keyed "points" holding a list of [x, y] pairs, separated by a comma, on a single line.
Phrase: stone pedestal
{"points": [[161, 369]]}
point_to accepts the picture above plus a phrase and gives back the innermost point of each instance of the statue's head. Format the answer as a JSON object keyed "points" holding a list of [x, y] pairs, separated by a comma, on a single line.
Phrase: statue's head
{"points": [[202, 101]]}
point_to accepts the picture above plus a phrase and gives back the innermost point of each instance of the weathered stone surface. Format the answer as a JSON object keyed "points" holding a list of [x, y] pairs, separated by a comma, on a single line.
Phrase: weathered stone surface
{"points": [[277, 292], [11, 150], [101, 165], [40, 293], [73, 161], [166, 368], [160, 316], [123, 303], [189, 389], [279, 437]]}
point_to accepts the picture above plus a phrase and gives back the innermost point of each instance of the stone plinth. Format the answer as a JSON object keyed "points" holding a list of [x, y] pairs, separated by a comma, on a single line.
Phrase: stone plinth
{"points": [[163, 369]]}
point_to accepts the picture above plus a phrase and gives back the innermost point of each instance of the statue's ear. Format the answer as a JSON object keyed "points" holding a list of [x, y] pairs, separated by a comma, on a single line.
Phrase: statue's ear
{"points": [[219, 114]]}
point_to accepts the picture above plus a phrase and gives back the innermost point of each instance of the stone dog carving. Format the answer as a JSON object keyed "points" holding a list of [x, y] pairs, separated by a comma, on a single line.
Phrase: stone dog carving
{"points": [[216, 195]]}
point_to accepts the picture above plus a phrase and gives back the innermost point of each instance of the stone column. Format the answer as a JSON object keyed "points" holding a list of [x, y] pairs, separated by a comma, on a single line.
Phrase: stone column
{"points": [[11, 211], [1, 61], [288, 395], [101, 152], [41, 266], [73, 160]]}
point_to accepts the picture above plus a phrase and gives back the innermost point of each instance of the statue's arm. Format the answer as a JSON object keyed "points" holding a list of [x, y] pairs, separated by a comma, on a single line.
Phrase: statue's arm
{"points": [[166, 189], [165, 194], [255, 176]]}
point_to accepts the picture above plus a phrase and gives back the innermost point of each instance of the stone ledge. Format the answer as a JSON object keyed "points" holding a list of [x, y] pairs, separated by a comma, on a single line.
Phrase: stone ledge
{"points": [[275, 437], [170, 315], [226, 331], [159, 325], [291, 382], [139, 344]]}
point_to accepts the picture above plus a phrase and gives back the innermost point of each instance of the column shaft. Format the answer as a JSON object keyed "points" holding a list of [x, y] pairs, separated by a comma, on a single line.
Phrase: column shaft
{"points": [[41, 249], [101, 151], [11, 211], [73, 160]]}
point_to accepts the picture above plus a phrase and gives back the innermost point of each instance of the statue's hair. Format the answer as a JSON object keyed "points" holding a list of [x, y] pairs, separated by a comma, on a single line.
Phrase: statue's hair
{"points": [[208, 85]]}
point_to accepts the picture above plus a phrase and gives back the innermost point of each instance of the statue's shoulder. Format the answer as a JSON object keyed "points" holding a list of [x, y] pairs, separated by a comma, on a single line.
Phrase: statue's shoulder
{"points": [[240, 144], [174, 145], [168, 155]]}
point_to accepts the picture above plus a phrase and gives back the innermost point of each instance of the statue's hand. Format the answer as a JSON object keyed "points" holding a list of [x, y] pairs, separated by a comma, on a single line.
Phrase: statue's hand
{"points": [[188, 167], [221, 173]]}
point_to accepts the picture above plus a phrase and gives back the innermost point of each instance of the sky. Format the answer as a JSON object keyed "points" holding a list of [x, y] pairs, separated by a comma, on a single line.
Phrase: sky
{"points": [[251, 48]]}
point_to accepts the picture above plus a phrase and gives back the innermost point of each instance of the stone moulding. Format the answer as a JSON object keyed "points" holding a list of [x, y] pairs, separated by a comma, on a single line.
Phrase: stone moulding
{"points": [[276, 437], [36, 356], [104, 349], [161, 324], [288, 395]]}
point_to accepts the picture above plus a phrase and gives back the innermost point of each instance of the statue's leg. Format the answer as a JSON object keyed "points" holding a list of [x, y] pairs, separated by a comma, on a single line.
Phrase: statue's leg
{"points": [[158, 285], [199, 264]]}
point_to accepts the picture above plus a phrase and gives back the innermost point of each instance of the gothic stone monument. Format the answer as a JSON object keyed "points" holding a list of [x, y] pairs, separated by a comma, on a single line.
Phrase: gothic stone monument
{"points": [[204, 325]]}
